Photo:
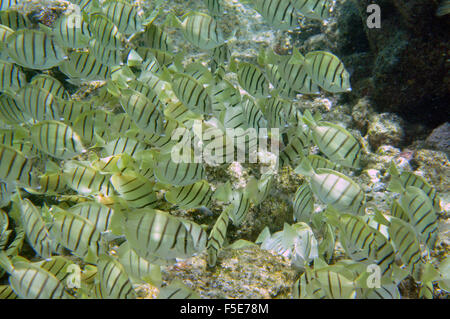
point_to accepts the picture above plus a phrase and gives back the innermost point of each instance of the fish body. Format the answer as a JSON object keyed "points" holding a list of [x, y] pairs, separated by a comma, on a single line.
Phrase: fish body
{"points": [[143, 111], [11, 77], [280, 14], [422, 215], [202, 31], [37, 233], [303, 203], [136, 190], [253, 80], [16, 167], [77, 234], [56, 139], [335, 142], [71, 31], [334, 188], [190, 196], [325, 70], [193, 95], [124, 15], [99, 214], [217, 236], [86, 180], [34, 49], [156, 233], [83, 66], [114, 281], [38, 103], [29, 281]]}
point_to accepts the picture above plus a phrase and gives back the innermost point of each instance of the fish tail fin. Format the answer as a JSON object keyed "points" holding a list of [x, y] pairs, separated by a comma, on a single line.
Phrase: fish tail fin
{"points": [[223, 192], [308, 118], [233, 65], [305, 167], [261, 57], [393, 170], [297, 57], [151, 15], [178, 60], [252, 190], [332, 217], [271, 57], [395, 184], [380, 218], [172, 21], [165, 75], [117, 222], [15, 211], [133, 58], [6, 263]]}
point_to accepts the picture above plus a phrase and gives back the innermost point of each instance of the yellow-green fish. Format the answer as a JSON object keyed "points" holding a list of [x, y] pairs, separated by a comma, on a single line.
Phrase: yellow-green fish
{"points": [[86, 180], [156, 233], [407, 245], [114, 281], [200, 30], [253, 80], [29, 281], [11, 77], [191, 196], [37, 233], [138, 269], [334, 188], [193, 95], [124, 15], [136, 190], [303, 203], [325, 69], [422, 215], [146, 114], [83, 66], [334, 141], [177, 290], [14, 19], [77, 234], [16, 167], [280, 14], [71, 31], [444, 8], [34, 49], [217, 236], [38, 103], [56, 139], [7, 4]]}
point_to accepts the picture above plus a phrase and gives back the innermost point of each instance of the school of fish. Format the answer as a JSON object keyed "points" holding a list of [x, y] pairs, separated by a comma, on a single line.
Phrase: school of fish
{"points": [[90, 183]]}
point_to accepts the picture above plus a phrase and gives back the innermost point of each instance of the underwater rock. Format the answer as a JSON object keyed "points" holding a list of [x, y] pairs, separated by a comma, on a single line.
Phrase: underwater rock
{"points": [[439, 138], [410, 75], [352, 45], [385, 128], [45, 12], [350, 35], [360, 114], [435, 167], [248, 273], [317, 42]]}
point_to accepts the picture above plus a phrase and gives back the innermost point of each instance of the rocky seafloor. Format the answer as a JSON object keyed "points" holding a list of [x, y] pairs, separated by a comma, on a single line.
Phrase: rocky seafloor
{"points": [[398, 108]]}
